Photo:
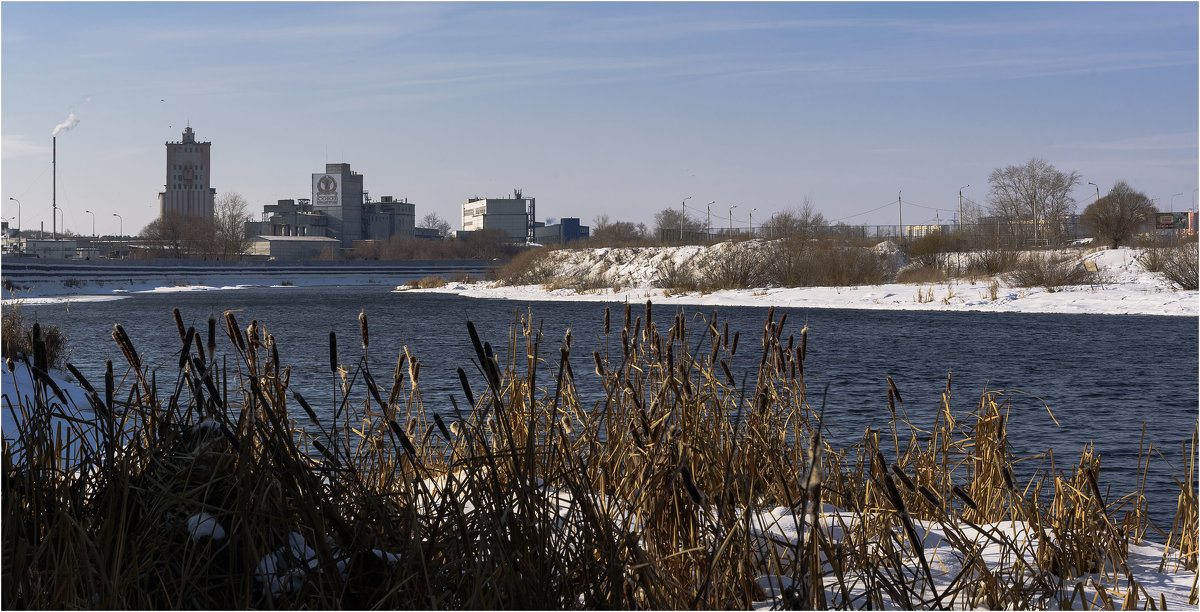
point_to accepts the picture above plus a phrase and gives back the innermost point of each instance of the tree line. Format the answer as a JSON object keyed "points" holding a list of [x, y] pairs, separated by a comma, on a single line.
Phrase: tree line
{"points": [[1027, 204]]}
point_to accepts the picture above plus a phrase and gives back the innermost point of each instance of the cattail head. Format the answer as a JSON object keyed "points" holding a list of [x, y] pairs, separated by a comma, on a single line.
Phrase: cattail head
{"points": [[606, 320], [333, 354], [362, 328], [567, 428], [178, 322], [212, 335]]}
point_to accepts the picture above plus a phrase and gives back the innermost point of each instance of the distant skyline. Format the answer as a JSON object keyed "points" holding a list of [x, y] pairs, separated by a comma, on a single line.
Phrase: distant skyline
{"points": [[618, 109]]}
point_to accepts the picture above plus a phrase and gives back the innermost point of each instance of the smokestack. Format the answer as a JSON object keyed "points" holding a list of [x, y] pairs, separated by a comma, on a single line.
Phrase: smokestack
{"points": [[71, 121], [54, 182]]}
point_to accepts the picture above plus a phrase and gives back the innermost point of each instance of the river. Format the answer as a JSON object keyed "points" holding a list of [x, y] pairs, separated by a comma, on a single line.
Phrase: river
{"points": [[1102, 376]]}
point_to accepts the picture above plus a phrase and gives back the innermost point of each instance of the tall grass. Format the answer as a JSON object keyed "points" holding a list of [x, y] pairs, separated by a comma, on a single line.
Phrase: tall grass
{"points": [[518, 492]]}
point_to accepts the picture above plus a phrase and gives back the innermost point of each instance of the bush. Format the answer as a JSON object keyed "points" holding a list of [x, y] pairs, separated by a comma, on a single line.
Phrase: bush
{"points": [[531, 267], [1048, 271], [1180, 265], [673, 276], [797, 263], [928, 249], [994, 261], [18, 339]]}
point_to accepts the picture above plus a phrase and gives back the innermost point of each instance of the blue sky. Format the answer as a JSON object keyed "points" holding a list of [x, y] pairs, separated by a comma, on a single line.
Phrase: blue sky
{"points": [[620, 109]]}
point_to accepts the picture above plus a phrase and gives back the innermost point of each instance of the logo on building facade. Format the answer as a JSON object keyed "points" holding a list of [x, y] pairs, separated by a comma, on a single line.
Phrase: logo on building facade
{"points": [[325, 190]]}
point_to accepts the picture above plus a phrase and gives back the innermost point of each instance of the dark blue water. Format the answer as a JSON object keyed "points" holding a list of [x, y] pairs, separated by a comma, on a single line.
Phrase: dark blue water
{"points": [[1103, 377]]}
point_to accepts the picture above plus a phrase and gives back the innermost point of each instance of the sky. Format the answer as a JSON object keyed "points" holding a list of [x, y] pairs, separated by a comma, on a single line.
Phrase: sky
{"points": [[617, 109]]}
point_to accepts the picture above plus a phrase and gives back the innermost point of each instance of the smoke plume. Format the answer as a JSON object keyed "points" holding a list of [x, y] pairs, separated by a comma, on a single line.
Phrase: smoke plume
{"points": [[70, 122]]}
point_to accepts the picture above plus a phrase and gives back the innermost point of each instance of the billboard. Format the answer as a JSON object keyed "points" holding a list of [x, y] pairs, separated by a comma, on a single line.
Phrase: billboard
{"points": [[326, 190], [1171, 220]]}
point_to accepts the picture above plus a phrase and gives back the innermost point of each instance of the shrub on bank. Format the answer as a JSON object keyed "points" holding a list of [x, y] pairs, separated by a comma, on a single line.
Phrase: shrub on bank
{"points": [[45, 344], [1180, 267], [1049, 271]]}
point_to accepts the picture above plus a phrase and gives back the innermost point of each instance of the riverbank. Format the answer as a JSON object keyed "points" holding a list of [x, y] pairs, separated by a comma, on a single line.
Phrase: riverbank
{"points": [[1120, 285]]}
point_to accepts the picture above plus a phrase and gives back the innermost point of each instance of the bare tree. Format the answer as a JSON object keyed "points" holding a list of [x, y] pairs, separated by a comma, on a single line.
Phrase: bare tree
{"points": [[1118, 215], [618, 232], [229, 223], [802, 221], [434, 222], [1032, 200], [180, 236], [668, 223]]}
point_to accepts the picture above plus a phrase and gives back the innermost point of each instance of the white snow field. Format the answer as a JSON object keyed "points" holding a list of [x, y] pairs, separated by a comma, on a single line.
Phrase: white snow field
{"points": [[1121, 286]]}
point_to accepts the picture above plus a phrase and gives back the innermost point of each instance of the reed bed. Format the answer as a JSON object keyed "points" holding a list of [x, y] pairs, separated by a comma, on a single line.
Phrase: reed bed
{"points": [[213, 485]]}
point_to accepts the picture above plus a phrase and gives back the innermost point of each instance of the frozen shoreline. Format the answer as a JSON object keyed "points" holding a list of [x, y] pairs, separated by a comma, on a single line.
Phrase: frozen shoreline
{"points": [[1123, 287]]}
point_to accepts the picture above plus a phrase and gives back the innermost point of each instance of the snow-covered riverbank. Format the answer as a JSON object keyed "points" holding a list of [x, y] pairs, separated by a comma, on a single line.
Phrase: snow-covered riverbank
{"points": [[1121, 285]]}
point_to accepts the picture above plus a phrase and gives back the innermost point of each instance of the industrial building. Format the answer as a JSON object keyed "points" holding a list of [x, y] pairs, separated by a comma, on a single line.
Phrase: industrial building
{"points": [[187, 190], [514, 216], [350, 214], [568, 229]]}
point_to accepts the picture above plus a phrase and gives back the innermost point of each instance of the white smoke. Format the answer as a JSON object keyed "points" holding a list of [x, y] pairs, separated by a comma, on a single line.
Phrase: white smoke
{"points": [[70, 122]]}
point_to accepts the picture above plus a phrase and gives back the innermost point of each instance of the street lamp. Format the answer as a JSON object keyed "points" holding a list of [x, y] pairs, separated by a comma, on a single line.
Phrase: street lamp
{"points": [[731, 221], [122, 226], [682, 216], [960, 207], [93, 223], [752, 221], [1173, 200], [18, 214], [1097, 190], [708, 221]]}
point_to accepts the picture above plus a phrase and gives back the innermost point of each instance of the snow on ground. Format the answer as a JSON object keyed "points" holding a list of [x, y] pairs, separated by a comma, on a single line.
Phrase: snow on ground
{"points": [[1122, 286]]}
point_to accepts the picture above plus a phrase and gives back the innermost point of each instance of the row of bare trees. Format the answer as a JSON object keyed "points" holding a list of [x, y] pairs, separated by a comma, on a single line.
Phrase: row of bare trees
{"points": [[1028, 204]]}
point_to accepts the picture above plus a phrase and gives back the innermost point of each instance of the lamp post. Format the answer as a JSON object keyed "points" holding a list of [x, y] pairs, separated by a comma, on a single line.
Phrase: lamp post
{"points": [[708, 221], [18, 214], [122, 225], [93, 223], [960, 207], [1173, 200], [1097, 190], [731, 221], [682, 216], [752, 221]]}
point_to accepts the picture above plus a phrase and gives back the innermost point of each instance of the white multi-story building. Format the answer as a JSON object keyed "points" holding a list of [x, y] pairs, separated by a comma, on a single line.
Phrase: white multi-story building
{"points": [[514, 216]]}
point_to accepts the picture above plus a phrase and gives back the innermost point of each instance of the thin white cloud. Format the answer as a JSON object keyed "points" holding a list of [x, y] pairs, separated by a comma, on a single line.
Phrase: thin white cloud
{"points": [[19, 146], [1153, 142]]}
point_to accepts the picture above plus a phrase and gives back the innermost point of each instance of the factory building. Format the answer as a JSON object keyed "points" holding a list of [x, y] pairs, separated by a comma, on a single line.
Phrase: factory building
{"points": [[290, 218], [187, 189], [338, 194], [514, 216], [568, 229]]}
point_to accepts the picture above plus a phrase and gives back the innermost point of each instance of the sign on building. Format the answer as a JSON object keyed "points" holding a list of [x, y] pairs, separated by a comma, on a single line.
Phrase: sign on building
{"points": [[1171, 221], [327, 190]]}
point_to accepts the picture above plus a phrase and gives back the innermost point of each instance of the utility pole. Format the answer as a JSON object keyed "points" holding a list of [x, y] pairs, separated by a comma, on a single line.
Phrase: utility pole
{"points": [[900, 206], [960, 207]]}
